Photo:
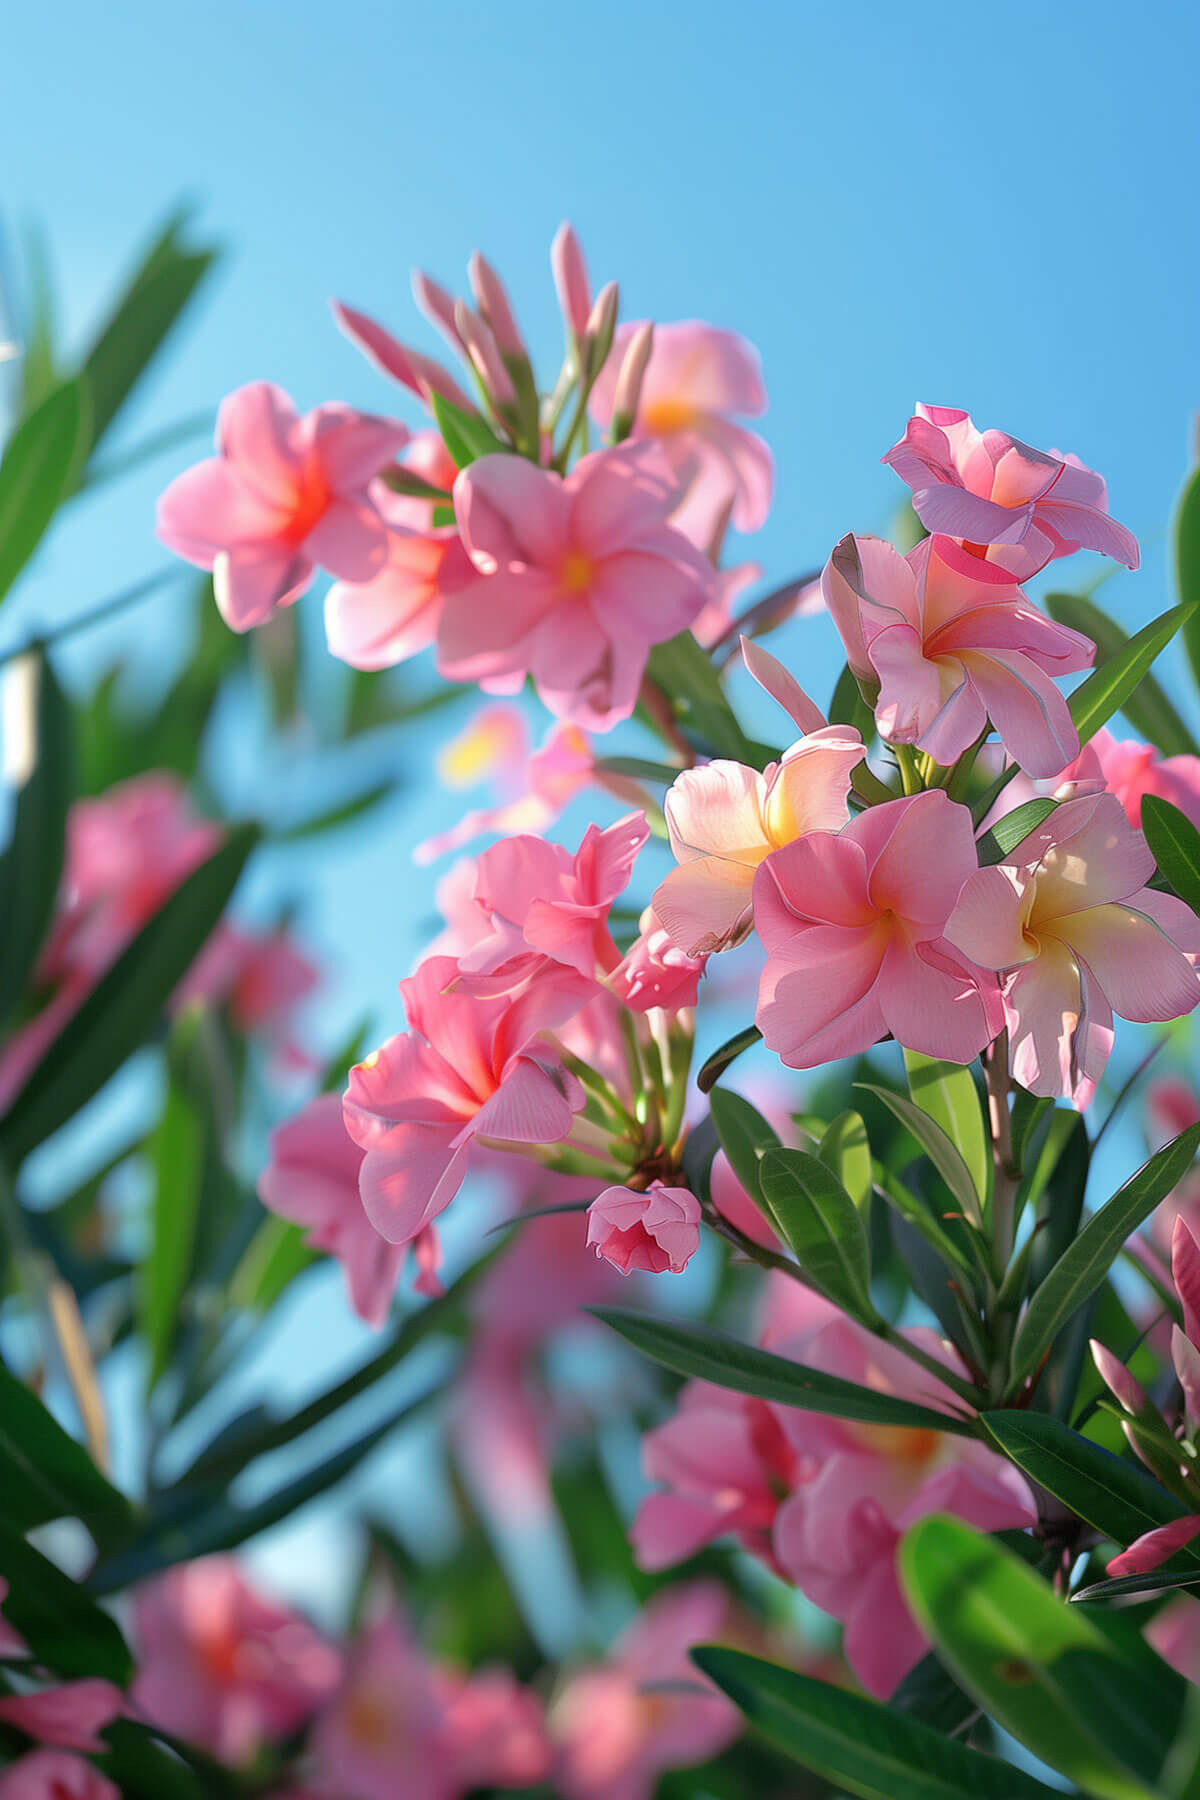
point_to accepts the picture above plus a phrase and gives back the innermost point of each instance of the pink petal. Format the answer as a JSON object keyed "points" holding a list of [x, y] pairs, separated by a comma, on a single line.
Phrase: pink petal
{"points": [[705, 904], [1029, 713], [417, 372], [258, 431], [986, 923], [1185, 1272], [529, 1107], [1153, 1548], [511, 513], [484, 627], [349, 539], [921, 850], [249, 583], [1143, 975], [930, 1010], [407, 1185], [210, 508], [352, 447], [782, 686]]}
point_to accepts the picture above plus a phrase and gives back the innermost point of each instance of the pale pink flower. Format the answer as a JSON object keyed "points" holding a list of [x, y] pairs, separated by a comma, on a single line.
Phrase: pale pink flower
{"points": [[260, 976], [381, 1735], [859, 1487], [952, 641], [854, 926], [1131, 770], [724, 819], [385, 619], [618, 1726], [579, 577], [697, 379], [657, 1230], [655, 972], [1077, 935], [471, 1066], [221, 1665], [312, 1179], [54, 1775], [724, 1463], [282, 495], [70, 1717], [493, 1730], [988, 488], [534, 787]]}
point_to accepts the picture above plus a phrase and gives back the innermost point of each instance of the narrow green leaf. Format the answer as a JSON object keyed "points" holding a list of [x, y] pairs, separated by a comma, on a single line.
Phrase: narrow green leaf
{"points": [[276, 1254], [125, 1006], [857, 1744], [1107, 688], [138, 325], [44, 1473], [404, 481], [1042, 1668], [143, 1768], [1013, 829], [745, 1137], [825, 1229], [63, 1627], [37, 717], [345, 814], [638, 768], [697, 1350], [946, 1091], [847, 706], [1028, 1110], [1085, 1262], [1155, 1581], [1147, 708], [945, 1156], [1187, 564], [1175, 845], [685, 673], [178, 1149], [37, 471], [466, 436], [845, 1148], [720, 1060]]}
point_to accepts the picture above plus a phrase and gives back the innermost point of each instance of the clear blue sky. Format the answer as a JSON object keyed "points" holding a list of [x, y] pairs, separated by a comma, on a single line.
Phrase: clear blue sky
{"points": [[979, 206]]}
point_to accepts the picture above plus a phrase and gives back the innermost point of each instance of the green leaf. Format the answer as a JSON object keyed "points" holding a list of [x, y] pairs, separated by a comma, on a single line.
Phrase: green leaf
{"points": [[1187, 564], [857, 1744], [178, 1149], [946, 1092], [1154, 1581], [466, 436], [1082, 1267], [1013, 829], [145, 1769], [945, 1156], [844, 1148], [138, 325], [1107, 688], [638, 768], [685, 673], [345, 814], [276, 1254], [44, 1473], [1042, 1668], [405, 481], [1175, 845], [1028, 1110], [825, 1229], [847, 706], [720, 1060], [63, 1627], [745, 1137], [37, 472], [36, 710], [708, 1355], [125, 1006], [1147, 708]]}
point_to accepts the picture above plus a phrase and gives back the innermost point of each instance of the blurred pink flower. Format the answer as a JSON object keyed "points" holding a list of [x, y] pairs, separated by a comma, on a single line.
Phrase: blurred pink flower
{"points": [[54, 1775], [725, 818], [578, 578], [656, 1231], [70, 1717], [618, 1726], [260, 976], [282, 495], [571, 280], [534, 787], [697, 378], [11, 1642], [1175, 1634], [494, 1730], [1069, 923], [859, 1487], [988, 488], [951, 642], [223, 1666], [471, 1066], [1132, 770], [381, 1734], [854, 925]]}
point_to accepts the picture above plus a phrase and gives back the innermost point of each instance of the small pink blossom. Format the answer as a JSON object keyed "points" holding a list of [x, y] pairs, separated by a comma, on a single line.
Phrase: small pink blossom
{"points": [[578, 578], [618, 1726], [988, 488], [395, 613], [222, 1665], [854, 927], [471, 1066], [655, 972], [952, 641], [697, 379], [724, 819], [70, 1717], [381, 1733], [54, 1775], [493, 1729], [260, 976], [1131, 770], [657, 1230], [1077, 936], [535, 787], [282, 495]]}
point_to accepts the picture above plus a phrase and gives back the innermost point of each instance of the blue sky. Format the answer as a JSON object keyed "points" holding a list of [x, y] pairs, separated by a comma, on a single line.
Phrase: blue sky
{"points": [[977, 206]]}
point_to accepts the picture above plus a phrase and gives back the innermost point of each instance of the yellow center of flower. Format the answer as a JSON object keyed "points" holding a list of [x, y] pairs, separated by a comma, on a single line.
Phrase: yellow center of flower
{"points": [[667, 414], [909, 1444], [577, 572], [368, 1720]]}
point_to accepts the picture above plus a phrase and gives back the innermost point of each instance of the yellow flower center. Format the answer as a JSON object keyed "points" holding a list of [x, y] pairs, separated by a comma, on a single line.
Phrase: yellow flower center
{"points": [[577, 572], [668, 414], [368, 1720]]}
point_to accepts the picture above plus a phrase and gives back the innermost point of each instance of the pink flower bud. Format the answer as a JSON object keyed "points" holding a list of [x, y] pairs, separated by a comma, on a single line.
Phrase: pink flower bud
{"points": [[492, 302], [602, 319], [657, 1230], [1124, 1387], [438, 306], [629, 381], [485, 355], [571, 280]]}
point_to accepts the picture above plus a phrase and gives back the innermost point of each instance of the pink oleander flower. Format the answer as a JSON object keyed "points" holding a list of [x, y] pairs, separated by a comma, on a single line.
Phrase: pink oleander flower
{"points": [[471, 1066], [282, 495], [261, 977], [1131, 770], [988, 488], [655, 972], [858, 1488], [493, 1729], [951, 642], [725, 1464], [1069, 924], [854, 929], [54, 1775], [699, 376], [1175, 1634], [222, 1665], [381, 1734], [578, 578], [70, 1717], [534, 787], [724, 819], [655, 1231], [619, 1726], [395, 613], [312, 1179]]}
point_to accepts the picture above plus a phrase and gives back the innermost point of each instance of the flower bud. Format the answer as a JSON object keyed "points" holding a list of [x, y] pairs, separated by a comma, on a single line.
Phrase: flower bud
{"points": [[485, 355], [438, 306], [629, 382], [492, 302], [598, 337], [571, 281]]}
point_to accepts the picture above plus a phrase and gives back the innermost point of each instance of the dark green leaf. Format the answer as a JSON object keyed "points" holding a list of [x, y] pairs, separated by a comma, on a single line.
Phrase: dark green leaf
{"points": [[847, 707], [138, 325], [466, 436], [1013, 829], [845, 1149], [44, 1473], [820, 1221], [37, 472], [404, 481], [63, 1627], [125, 1006], [1187, 564], [946, 1091], [720, 1060], [684, 672], [36, 709], [859, 1745], [1147, 708], [637, 768], [697, 1350], [943, 1154], [1175, 845], [276, 1254], [145, 1769], [178, 1149], [1085, 1262], [1107, 688], [1154, 1581], [745, 1137]]}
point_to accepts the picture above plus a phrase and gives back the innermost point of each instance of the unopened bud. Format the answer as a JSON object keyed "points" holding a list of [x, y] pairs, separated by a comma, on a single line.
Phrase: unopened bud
{"points": [[571, 280], [438, 307], [629, 382], [492, 302], [598, 337], [485, 355]]}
